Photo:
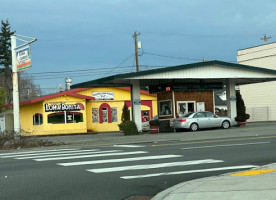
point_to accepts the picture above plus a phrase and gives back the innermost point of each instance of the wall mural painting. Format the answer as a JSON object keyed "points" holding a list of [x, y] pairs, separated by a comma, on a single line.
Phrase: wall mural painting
{"points": [[95, 115]]}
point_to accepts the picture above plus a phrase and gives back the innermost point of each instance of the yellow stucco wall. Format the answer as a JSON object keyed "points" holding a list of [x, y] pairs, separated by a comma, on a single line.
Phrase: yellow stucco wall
{"points": [[28, 111], [120, 96]]}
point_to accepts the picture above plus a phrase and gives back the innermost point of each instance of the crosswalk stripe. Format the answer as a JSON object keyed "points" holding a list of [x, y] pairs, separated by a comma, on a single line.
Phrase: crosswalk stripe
{"points": [[153, 166], [91, 156], [118, 160], [69, 154], [26, 152], [226, 145], [189, 172], [47, 153]]}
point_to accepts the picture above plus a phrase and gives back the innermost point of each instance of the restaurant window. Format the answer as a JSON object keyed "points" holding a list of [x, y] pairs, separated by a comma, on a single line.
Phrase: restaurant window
{"points": [[65, 117], [184, 107], [95, 115], [37, 119], [114, 115], [165, 108]]}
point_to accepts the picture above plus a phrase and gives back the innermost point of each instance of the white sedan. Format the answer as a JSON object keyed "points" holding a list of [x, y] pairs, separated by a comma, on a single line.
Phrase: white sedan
{"points": [[198, 120]]}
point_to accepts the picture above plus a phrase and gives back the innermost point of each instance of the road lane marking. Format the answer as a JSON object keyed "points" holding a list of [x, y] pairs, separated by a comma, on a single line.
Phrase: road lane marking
{"points": [[47, 153], [253, 172], [130, 146], [189, 172], [26, 152], [213, 141], [118, 160], [69, 154], [225, 145], [153, 166], [91, 156]]}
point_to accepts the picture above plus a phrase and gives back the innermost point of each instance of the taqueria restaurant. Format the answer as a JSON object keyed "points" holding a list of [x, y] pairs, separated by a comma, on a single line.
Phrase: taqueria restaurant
{"points": [[80, 110]]}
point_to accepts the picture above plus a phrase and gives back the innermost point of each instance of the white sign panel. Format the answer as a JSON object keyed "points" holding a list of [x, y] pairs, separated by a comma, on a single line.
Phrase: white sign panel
{"points": [[23, 57], [137, 102], [200, 106], [103, 95]]}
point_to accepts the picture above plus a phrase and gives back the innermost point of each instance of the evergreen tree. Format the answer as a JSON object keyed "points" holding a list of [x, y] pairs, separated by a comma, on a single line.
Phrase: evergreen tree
{"points": [[6, 58], [2, 98], [125, 114], [241, 109]]}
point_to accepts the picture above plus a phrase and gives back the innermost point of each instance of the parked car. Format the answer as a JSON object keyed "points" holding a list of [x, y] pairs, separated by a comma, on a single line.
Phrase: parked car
{"points": [[146, 126], [198, 120]]}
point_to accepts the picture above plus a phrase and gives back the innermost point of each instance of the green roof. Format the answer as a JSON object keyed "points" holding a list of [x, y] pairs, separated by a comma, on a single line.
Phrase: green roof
{"points": [[172, 68]]}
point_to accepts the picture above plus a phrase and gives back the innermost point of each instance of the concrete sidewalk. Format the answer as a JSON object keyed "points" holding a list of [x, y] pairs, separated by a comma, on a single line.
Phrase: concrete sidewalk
{"points": [[254, 184], [251, 130]]}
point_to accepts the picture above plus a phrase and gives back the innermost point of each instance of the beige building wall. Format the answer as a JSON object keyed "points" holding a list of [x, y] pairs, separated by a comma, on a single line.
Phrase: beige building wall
{"points": [[260, 98]]}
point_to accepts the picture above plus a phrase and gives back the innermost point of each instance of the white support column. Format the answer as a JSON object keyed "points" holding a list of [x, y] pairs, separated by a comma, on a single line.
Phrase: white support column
{"points": [[16, 114], [136, 104], [231, 99]]}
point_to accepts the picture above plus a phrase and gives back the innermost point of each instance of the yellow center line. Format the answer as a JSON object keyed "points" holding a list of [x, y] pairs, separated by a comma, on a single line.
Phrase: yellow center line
{"points": [[253, 172], [213, 141]]}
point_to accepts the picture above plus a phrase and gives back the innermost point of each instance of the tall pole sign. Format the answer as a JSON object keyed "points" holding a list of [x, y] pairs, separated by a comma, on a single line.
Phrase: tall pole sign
{"points": [[23, 57], [21, 60], [16, 114]]}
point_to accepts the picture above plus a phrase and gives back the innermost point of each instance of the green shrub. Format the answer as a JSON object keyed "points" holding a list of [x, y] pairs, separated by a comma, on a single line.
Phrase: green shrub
{"points": [[129, 128], [241, 109]]}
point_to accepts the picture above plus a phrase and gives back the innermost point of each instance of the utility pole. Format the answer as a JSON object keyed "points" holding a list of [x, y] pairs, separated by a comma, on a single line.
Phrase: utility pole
{"points": [[136, 50], [265, 39], [15, 70], [16, 115]]}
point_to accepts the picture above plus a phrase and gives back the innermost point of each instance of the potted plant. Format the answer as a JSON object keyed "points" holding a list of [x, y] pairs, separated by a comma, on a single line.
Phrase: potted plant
{"points": [[154, 126], [241, 110]]}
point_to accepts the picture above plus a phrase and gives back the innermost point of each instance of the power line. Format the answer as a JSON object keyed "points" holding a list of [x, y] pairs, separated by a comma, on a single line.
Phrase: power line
{"points": [[120, 64], [154, 54]]}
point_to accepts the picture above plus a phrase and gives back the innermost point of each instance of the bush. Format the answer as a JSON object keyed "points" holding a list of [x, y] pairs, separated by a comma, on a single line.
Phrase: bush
{"points": [[10, 141], [129, 128]]}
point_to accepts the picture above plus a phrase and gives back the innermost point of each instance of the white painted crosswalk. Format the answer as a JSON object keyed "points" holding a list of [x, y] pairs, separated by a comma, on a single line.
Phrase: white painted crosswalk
{"points": [[121, 161]]}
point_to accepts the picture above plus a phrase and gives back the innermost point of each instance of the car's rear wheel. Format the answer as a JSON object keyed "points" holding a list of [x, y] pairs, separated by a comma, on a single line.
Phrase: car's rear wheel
{"points": [[225, 124], [194, 127]]}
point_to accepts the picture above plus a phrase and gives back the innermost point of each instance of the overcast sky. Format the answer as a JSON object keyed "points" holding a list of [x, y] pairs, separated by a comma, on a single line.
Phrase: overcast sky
{"points": [[95, 36]]}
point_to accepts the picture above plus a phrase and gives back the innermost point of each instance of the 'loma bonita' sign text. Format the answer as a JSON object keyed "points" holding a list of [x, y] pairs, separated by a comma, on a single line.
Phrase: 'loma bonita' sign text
{"points": [[61, 107]]}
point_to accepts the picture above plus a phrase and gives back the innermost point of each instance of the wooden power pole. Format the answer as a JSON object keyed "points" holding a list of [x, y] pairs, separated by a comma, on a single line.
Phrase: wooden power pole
{"points": [[136, 50]]}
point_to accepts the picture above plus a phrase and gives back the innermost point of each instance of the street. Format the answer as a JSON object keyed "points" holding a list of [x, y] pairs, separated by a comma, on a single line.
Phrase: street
{"points": [[115, 172]]}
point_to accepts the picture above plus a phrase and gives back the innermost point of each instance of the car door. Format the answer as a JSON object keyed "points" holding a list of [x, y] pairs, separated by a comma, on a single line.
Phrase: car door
{"points": [[201, 119], [212, 120]]}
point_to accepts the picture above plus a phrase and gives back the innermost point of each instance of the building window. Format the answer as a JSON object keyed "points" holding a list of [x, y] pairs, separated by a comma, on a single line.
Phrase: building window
{"points": [[114, 115], [95, 115], [165, 108], [37, 119], [184, 107], [65, 117]]}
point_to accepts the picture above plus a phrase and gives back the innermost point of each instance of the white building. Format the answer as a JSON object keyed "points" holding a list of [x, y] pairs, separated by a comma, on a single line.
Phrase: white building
{"points": [[259, 98]]}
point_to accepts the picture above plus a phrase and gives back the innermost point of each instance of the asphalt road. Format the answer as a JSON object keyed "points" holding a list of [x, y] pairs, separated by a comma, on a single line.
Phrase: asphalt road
{"points": [[118, 172]]}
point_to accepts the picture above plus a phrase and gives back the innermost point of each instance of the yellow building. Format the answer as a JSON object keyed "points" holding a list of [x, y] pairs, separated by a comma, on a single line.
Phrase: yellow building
{"points": [[80, 111]]}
